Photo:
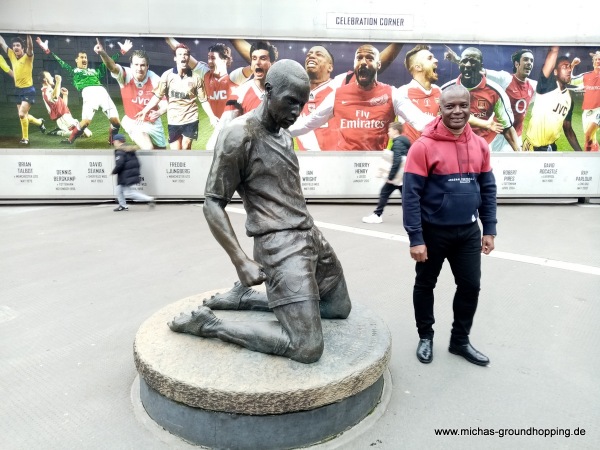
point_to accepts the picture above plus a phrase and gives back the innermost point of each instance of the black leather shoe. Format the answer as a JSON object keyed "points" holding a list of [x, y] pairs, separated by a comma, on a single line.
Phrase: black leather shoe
{"points": [[469, 353], [425, 351]]}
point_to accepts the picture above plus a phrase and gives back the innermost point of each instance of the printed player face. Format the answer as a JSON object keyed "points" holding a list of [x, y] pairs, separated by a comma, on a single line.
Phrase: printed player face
{"points": [[470, 66], [563, 72], [48, 78], [318, 63], [215, 63], [428, 63], [261, 63], [182, 58], [596, 61], [366, 65], [524, 66], [139, 66], [455, 108], [17, 48], [81, 61]]}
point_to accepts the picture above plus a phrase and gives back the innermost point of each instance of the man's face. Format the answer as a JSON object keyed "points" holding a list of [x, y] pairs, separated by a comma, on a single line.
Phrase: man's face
{"points": [[524, 66], [139, 66], [216, 63], [48, 78], [563, 72], [455, 108], [287, 100], [470, 66], [393, 133], [366, 65], [182, 58], [596, 61], [318, 64], [17, 48], [428, 64], [261, 63], [82, 60]]}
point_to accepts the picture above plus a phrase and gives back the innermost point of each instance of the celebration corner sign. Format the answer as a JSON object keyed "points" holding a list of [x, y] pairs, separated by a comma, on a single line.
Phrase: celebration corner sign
{"points": [[360, 21]]}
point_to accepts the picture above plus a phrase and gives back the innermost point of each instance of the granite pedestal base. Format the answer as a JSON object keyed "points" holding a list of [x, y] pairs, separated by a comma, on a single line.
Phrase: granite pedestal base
{"points": [[223, 396]]}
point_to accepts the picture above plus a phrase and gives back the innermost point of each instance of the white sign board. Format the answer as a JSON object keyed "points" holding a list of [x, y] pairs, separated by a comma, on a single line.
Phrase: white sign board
{"points": [[170, 174]]}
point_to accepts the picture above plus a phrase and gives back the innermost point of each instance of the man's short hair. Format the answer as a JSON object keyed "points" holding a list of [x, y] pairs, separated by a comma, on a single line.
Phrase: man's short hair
{"points": [[17, 40], [328, 54], [140, 54], [185, 47], [398, 126], [42, 75], [223, 51], [409, 58], [458, 88], [473, 50], [265, 45], [561, 59], [516, 57]]}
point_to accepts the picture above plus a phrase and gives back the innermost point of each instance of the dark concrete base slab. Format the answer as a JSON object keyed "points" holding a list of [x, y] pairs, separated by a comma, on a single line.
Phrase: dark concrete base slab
{"points": [[220, 430]]}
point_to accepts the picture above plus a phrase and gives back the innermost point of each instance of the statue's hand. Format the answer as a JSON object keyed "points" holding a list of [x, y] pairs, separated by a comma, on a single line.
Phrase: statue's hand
{"points": [[251, 273]]}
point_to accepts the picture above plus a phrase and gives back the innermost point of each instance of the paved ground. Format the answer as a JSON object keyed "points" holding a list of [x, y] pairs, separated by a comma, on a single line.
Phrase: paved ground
{"points": [[77, 281]]}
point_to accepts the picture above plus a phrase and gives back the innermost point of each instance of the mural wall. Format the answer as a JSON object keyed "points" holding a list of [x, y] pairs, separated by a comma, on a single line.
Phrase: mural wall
{"points": [[73, 92]]}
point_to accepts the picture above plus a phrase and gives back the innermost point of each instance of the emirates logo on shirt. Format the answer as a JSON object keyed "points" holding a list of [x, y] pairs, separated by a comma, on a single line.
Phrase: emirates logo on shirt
{"points": [[378, 101]]}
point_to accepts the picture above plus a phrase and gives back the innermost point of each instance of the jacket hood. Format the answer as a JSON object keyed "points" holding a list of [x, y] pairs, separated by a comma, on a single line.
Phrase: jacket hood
{"points": [[436, 130], [127, 148]]}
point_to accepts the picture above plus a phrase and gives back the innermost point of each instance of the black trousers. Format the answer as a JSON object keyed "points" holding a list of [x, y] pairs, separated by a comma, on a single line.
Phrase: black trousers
{"points": [[461, 246], [386, 190]]}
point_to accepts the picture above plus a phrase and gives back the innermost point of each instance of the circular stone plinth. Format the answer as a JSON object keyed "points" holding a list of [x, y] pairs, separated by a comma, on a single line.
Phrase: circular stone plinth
{"points": [[212, 376]]}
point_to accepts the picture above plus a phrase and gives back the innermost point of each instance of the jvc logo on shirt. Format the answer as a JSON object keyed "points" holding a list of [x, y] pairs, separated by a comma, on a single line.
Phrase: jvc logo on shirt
{"points": [[219, 95]]}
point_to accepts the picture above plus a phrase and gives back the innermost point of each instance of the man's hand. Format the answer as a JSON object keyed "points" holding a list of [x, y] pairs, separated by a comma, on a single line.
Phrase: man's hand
{"points": [[451, 55], [126, 46], [64, 92], [153, 115], [419, 253], [491, 125], [250, 273], [98, 47], [487, 244], [43, 44]]}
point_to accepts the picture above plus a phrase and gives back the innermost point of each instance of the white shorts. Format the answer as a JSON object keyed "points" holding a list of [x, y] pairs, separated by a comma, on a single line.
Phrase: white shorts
{"points": [[97, 98], [154, 130], [66, 122], [500, 144], [590, 116]]}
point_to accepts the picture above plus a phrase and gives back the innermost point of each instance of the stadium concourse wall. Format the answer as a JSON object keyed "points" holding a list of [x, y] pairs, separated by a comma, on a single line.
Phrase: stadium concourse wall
{"points": [[53, 173]]}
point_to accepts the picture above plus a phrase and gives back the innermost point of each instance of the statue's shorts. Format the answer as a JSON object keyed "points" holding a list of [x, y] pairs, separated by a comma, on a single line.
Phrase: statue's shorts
{"points": [[300, 265]]}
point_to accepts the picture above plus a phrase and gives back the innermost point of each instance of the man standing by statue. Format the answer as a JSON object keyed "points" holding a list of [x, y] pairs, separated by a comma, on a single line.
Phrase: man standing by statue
{"points": [[304, 279]]}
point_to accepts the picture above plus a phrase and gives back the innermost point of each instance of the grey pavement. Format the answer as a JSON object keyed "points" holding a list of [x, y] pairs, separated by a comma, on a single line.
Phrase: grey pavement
{"points": [[78, 280]]}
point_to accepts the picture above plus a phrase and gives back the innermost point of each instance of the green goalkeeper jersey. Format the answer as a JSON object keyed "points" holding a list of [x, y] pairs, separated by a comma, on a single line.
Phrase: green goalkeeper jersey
{"points": [[83, 78]]}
